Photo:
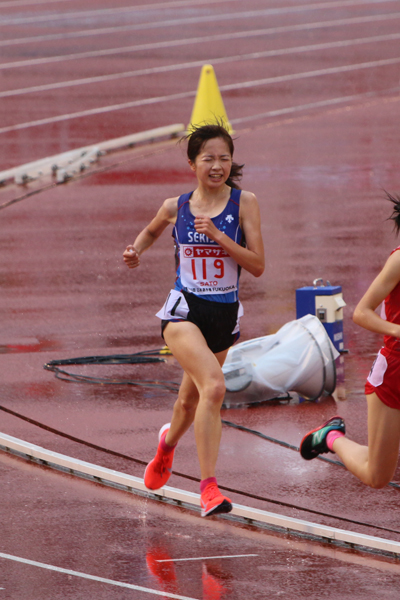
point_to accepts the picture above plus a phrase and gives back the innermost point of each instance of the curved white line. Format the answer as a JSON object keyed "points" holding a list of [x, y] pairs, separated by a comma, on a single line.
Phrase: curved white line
{"points": [[205, 558], [183, 95], [19, 3], [221, 17], [182, 41], [306, 74], [129, 586], [312, 106], [109, 11], [190, 65], [98, 111]]}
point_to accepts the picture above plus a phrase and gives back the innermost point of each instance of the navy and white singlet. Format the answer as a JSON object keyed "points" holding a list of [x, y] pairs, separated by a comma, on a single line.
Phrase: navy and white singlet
{"points": [[203, 267]]}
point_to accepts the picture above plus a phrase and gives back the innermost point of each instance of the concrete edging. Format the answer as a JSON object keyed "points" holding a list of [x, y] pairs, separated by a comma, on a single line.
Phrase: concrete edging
{"points": [[81, 158], [136, 485]]}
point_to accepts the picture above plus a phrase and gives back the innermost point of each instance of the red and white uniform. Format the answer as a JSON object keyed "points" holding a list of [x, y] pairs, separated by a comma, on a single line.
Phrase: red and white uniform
{"points": [[384, 377]]}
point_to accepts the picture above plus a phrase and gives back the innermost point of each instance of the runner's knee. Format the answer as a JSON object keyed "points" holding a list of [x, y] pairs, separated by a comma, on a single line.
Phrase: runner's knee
{"points": [[379, 480], [380, 476], [188, 403], [214, 391]]}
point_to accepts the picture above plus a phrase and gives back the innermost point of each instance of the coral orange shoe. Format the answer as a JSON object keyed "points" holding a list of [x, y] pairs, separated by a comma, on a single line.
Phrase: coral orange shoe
{"points": [[159, 470], [213, 502]]}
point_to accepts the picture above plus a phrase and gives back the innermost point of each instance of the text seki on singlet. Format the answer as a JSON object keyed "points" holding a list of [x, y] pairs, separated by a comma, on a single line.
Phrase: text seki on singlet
{"points": [[203, 267]]}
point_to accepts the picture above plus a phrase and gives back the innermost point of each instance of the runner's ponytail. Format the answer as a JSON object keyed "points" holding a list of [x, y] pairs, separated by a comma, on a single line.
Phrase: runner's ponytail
{"points": [[395, 216], [236, 174]]}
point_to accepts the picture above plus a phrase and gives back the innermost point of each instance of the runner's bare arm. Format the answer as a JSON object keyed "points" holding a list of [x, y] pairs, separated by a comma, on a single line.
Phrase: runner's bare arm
{"points": [[382, 285], [165, 216], [251, 258]]}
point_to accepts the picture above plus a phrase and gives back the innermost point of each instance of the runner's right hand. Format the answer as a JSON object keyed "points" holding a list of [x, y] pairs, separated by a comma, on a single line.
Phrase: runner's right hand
{"points": [[131, 257]]}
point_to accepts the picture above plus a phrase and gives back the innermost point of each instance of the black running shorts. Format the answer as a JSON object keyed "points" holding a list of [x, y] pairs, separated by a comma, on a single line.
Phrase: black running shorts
{"points": [[216, 321]]}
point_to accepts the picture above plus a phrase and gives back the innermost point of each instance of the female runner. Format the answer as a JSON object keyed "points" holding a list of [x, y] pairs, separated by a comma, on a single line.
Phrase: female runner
{"points": [[376, 463], [217, 232]]}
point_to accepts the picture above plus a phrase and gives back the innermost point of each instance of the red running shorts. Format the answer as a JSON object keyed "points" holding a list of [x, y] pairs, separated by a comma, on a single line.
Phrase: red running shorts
{"points": [[384, 378]]}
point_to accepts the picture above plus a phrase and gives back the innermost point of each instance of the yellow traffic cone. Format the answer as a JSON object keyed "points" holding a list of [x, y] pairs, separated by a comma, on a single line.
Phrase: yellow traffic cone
{"points": [[208, 106]]}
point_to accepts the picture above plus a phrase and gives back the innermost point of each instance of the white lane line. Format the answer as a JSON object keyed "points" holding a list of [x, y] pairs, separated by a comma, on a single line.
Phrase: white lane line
{"points": [[180, 42], [19, 3], [108, 11], [205, 558], [98, 111], [198, 19], [192, 40], [313, 105], [319, 72], [129, 586], [197, 63], [184, 95]]}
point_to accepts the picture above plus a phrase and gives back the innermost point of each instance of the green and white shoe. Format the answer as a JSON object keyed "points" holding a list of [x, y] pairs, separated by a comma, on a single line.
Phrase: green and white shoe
{"points": [[314, 442]]}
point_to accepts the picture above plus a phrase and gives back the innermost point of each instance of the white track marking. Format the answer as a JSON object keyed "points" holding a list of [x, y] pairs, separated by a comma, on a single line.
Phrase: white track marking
{"points": [[111, 11], [189, 41], [18, 3], [205, 558], [184, 95], [98, 111], [319, 72], [311, 105], [129, 586], [198, 19], [193, 64], [184, 42]]}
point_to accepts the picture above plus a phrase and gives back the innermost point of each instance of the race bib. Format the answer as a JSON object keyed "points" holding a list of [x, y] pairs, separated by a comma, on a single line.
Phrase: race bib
{"points": [[378, 371], [208, 270]]}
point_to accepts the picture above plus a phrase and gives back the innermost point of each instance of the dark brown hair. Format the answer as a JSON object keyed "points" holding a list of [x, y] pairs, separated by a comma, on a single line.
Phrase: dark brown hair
{"points": [[198, 136], [395, 216]]}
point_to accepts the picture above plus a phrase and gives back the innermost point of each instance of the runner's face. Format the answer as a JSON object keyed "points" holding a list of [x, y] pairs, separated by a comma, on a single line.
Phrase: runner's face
{"points": [[213, 163]]}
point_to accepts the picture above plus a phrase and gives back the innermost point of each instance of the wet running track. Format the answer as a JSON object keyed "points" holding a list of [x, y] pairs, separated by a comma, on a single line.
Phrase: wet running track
{"points": [[312, 91]]}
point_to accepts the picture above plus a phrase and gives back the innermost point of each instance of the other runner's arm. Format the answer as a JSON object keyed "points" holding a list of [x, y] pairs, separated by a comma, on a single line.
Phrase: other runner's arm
{"points": [[251, 258], [152, 231], [383, 284]]}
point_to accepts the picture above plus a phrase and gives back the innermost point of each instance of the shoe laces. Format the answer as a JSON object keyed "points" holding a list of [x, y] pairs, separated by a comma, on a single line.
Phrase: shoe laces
{"points": [[211, 492], [162, 463]]}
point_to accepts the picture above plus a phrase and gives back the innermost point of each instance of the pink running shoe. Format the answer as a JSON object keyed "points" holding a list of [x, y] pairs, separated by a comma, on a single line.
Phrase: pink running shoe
{"points": [[213, 502], [159, 470]]}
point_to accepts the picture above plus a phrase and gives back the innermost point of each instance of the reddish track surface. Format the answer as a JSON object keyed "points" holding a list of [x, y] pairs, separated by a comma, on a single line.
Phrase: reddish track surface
{"points": [[319, 148]]}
